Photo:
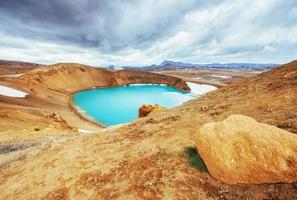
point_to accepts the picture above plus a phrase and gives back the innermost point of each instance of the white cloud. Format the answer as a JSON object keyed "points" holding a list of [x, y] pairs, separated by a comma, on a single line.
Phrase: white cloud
{"points": [[147, 32]]}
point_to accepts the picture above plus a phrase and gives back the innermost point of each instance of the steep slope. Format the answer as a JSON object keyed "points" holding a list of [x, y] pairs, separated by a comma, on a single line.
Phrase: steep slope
{"points": [[145, 159], [269, 97]]}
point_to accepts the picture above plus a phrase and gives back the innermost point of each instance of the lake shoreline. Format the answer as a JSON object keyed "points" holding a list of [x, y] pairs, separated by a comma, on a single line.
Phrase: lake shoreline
{"points": [[85, 116]]}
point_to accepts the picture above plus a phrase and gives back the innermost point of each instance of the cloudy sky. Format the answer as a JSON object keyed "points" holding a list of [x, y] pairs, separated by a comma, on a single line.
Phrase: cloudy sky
{"points": [[138, 32]]}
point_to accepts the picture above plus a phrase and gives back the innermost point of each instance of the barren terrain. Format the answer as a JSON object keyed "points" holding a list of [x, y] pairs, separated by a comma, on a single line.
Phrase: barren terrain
{"points": [[214, 76], [141, 160], [14, 68]]}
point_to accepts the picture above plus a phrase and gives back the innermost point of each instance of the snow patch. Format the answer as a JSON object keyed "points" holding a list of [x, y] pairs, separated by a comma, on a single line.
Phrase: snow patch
{"points": [[221, 76], [10, 92], [200, 89], [84, 131], [144, 84]]}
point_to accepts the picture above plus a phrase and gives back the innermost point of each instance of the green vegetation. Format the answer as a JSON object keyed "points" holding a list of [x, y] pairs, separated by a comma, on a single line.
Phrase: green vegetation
{"points": [[194, 159]]}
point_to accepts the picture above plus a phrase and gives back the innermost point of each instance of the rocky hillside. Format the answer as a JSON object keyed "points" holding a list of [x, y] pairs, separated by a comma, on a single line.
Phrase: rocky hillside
{"points": [[146, 159], [269, 97], [75, 77]]}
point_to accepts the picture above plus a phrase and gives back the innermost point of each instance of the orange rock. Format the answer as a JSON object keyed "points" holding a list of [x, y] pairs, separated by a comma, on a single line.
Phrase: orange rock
{"points": [[144, 110]]}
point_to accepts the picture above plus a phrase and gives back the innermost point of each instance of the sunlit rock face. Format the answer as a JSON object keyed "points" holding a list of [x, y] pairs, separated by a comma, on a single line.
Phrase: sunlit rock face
{"points": [[241, 150]]}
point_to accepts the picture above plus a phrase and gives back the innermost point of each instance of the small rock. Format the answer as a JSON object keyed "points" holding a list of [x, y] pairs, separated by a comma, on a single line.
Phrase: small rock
{"points": [[145, 110]]}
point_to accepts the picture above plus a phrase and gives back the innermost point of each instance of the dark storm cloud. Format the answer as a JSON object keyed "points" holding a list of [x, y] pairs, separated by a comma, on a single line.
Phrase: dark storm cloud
{"points": [[53, 19], [92, 22], [52, 12]]}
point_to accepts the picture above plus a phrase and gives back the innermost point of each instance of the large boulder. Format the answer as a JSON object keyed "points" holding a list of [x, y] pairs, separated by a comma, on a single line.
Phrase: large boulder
{"points": [[241, 150], [146, 109]]}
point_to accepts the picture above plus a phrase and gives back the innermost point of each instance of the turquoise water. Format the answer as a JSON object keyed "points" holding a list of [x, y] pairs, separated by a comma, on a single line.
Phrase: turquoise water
{"points": [[117, 105]]}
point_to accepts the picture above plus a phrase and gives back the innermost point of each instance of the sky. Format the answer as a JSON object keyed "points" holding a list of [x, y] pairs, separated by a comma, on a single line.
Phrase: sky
{"points": [[138, 32]]}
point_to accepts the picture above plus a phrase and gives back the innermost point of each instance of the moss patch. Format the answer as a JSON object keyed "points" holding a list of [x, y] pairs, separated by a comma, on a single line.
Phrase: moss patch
{"points": [[194, 159]]}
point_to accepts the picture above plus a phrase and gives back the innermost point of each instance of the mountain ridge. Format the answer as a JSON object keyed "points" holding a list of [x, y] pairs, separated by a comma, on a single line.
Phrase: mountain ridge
{"points": [[168, 64]]}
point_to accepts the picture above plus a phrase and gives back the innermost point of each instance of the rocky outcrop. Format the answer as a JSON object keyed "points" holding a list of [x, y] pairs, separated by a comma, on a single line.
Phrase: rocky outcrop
{"points": [[60, 121], [242, 150], [145, 110]]}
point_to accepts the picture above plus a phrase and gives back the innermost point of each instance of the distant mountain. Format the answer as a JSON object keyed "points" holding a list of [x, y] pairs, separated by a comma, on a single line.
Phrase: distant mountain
{"points": [[241, 65], [179, 64], [8, 67], [172, 65], [9, 63]]}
